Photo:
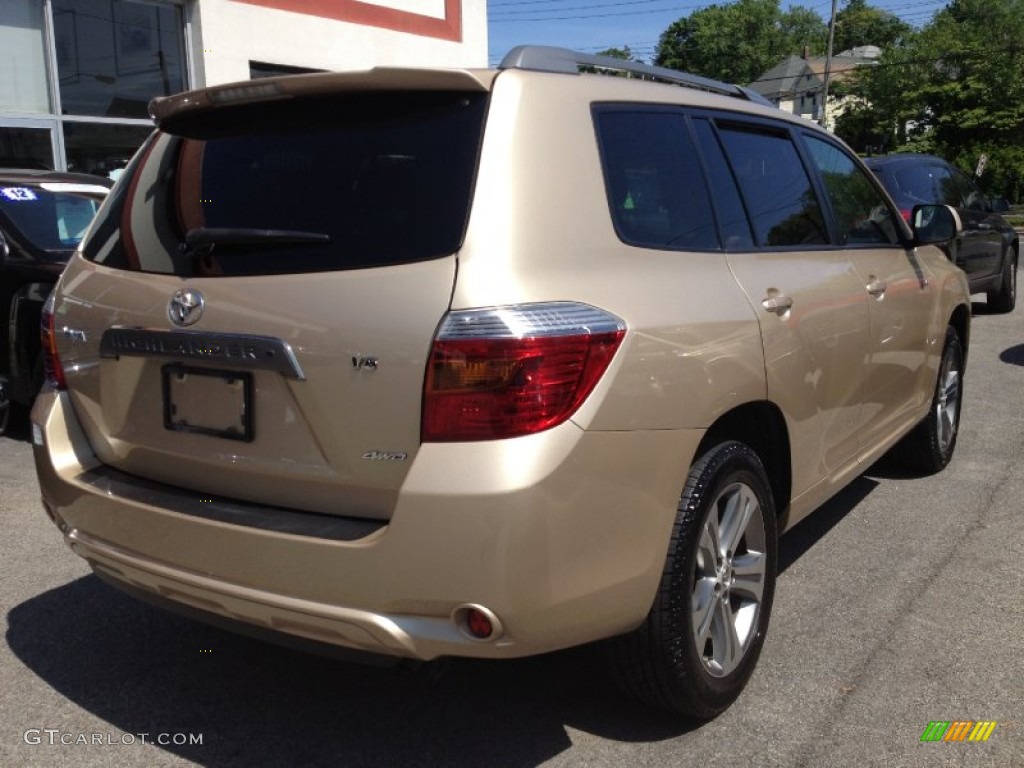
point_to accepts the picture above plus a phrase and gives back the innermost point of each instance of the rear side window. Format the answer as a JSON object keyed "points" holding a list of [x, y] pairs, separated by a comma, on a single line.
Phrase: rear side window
{"points": [[655, 187], [342, 182], [776, 188]]}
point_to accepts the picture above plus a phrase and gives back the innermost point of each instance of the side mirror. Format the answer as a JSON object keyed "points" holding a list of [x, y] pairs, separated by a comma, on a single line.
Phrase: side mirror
{"points": [[935, 224], [1000, 205]]}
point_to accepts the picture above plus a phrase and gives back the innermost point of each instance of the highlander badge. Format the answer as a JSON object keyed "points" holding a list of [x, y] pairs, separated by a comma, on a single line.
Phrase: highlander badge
{"points": [[186, 307]]}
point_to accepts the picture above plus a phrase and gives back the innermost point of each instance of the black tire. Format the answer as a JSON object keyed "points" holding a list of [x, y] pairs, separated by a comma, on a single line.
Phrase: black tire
{"points": [[669, 663], [1004, 299], [929, 447]]}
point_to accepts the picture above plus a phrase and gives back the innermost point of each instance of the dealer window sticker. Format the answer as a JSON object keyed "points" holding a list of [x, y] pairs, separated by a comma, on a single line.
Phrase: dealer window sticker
{"points": [[18, 194]]}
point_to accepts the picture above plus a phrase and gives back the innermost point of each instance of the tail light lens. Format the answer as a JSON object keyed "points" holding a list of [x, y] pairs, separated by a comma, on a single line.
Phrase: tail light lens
{"points": [[52, 368], [511, 371]]}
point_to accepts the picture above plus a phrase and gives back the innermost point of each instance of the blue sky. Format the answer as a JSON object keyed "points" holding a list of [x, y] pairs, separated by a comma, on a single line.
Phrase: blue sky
{"points": [[594, 25]]}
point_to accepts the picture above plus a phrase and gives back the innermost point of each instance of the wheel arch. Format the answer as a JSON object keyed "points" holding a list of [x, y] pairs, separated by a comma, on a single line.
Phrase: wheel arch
{"points": [[761, 426], [961, 322]]}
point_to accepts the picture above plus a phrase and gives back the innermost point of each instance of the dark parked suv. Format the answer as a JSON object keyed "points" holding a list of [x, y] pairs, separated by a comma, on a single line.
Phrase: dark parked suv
{"points": [[43, 216], [988, 248]]}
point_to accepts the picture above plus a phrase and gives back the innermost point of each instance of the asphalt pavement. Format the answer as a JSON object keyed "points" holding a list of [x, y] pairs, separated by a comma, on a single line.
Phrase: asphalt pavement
{"points": [[900, 603]]}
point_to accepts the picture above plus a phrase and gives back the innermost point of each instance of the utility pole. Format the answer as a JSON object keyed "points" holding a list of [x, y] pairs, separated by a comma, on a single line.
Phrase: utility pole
{"points": [[828, 65]]}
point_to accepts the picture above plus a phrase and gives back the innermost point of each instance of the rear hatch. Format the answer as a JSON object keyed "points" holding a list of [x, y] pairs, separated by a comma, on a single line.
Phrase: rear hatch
{"points": [[252, 313]]}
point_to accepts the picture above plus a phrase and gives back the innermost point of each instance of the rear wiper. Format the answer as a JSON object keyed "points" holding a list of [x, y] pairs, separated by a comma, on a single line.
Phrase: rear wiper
{"points": [[200, 236]]}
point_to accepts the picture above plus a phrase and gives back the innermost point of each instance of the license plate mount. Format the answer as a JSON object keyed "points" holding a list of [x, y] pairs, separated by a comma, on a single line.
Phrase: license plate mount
{"points": [[209, 402]]}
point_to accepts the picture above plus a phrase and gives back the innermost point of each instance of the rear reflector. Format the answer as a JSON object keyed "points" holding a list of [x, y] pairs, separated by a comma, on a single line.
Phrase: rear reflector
{"points": [[478, 623], [52, 368], [512, 371]]}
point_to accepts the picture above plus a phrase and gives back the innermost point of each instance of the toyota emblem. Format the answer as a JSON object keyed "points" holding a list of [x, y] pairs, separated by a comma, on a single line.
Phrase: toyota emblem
{"points": [[186, 307]]}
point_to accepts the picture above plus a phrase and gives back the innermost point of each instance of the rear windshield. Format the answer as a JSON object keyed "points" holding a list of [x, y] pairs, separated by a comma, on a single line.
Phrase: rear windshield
{"points": [[51, 221], [336, 183]]}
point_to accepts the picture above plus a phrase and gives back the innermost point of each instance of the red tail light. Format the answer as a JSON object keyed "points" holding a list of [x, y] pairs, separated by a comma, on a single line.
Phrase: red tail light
{"points": [[906, 213], [512, 371], [52, 367]]}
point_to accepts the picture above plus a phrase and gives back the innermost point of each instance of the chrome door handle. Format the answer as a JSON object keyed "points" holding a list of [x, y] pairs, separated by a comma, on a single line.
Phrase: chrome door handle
{"points": [[876, 288], [780, 305]]}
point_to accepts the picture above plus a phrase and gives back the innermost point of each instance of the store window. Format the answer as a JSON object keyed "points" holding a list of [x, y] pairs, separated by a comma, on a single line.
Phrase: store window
{"points": [[113, 56], [26, 147], [77, 76], [103, 149], [23, 82]]}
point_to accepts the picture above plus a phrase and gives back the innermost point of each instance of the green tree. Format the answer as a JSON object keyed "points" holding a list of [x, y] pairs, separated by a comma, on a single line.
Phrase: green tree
{"points": [[955, 89], [861, 24], [739, 41], [802, 29], [973, 88], [883, 110], [623, 53]]}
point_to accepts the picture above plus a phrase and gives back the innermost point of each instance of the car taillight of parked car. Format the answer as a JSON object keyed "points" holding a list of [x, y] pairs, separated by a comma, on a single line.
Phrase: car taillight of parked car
{"points": [[511, 371], [52, 368]]}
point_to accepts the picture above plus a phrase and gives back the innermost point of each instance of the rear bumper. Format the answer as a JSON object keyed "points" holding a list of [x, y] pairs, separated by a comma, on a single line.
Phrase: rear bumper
{"points": [[561, 537]]}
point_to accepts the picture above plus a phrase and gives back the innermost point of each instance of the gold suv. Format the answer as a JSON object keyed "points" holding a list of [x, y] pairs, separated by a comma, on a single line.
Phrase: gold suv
{"points": [[489, 363]]}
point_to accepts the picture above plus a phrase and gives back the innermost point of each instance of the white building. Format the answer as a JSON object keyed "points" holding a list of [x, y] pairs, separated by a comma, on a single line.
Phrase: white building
{"points": [[797, 84], [76, 75]]}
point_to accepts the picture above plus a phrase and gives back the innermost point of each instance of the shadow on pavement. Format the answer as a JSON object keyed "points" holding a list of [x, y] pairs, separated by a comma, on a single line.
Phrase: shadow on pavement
{"points": [[809, 531], [1013, 355], [147, 671]]}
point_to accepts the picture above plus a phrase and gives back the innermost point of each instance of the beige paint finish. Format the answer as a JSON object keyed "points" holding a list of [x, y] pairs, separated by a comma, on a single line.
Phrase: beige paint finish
{"points": [[310, 435], [560, 534], [814, 351]]}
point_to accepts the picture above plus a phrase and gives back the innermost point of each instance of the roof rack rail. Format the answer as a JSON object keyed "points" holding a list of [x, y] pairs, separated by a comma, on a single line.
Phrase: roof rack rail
{"points": [[546, 58]]}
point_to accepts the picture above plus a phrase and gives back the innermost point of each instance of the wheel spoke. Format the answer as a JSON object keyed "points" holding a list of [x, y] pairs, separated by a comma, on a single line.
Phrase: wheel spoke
{"points": [[748, 573], [726, 643], [704, 601], [710, 547], [739, 508], [949, 404]]}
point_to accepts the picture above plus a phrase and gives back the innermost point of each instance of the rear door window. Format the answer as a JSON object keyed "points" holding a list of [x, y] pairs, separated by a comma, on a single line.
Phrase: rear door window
{"points": [[345, 182], [732, 219], [776, 188], [656, 190]]}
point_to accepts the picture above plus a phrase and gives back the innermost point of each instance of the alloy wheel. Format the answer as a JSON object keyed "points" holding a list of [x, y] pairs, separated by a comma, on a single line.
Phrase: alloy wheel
{"points": [[729, 579]]}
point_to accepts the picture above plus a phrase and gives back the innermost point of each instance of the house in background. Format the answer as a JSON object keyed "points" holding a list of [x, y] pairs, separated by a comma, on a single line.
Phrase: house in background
{"points": [[76, 76], [797, 84]]}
